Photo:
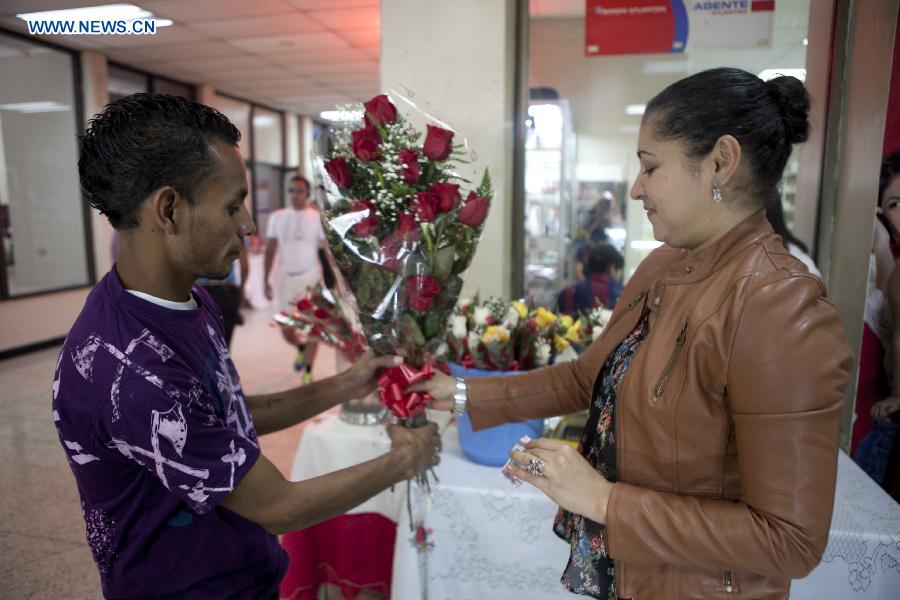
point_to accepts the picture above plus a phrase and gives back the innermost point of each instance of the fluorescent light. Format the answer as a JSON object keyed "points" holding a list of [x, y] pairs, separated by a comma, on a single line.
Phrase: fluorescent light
{"points": [[263, 120], [635, 110], [341, 115], [645, 244], [768, 74], [806, 41], [35, 107], [107, 12], [615, 233]]}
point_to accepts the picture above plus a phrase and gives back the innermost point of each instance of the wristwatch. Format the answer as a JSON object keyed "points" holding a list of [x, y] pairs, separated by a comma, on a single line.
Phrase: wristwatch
{"points": [[460, 397]]}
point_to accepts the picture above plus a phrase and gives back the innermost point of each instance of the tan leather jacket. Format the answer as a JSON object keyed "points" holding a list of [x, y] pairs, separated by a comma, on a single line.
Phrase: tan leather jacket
{"points": [[727, 419]]}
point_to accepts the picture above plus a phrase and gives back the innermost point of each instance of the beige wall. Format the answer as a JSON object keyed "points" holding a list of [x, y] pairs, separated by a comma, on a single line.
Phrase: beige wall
{"points": [[458, 64]]}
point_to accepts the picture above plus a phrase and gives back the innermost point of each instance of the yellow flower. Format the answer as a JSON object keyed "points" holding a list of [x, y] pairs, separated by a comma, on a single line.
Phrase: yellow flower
{"points": [[560, 343], [544, 317], [495, 333], [520, 306], [565, 321], [574, 332]]}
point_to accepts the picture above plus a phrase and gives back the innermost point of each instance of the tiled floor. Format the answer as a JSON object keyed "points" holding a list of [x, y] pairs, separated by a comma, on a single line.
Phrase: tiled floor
{"points": [[43, 552]]}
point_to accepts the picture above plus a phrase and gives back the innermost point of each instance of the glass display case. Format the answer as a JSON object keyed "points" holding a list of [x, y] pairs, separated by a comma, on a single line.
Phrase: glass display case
{"points": [[549, 166]]}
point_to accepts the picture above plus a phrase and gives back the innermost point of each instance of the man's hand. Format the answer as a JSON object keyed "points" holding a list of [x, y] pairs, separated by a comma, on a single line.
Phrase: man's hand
{"points": [[362, 376], [420, 447], [441, 387], [883, 409]]}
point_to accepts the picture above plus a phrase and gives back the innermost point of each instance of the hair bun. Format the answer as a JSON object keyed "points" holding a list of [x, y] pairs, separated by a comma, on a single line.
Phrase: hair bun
{"points": [[792, 99]]}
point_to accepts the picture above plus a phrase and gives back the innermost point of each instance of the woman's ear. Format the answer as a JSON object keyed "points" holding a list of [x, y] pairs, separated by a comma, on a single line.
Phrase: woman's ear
{"points": [[726, 157]]}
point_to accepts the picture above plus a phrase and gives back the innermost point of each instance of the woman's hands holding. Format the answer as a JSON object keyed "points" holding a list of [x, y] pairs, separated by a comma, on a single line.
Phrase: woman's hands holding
{"points": [[568, 478]]}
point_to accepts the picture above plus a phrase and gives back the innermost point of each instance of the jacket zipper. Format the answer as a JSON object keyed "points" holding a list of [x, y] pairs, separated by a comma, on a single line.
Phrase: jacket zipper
{"points": [[728, 580], [667, 373]]}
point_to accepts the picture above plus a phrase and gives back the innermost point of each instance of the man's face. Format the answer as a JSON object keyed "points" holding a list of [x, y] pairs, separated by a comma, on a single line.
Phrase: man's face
{"points": [[299, 193], [219, 219]]}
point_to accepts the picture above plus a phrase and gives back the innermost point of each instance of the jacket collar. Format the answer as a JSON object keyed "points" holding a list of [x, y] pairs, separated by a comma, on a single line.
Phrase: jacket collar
{"points": [[684, 267]]}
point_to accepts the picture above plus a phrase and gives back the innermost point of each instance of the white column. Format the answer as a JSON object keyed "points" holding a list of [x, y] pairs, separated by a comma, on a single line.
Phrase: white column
{"points": [[457, 60], [95, 88]]}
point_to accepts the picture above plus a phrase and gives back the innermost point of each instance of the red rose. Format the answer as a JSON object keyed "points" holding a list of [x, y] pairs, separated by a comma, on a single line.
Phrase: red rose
{"points": [[406, 223], [304, 305], [366, 143], [369, 224], [410, 161], [474, 211], [448, 195], [320, 313], [421, 290], [438, 143], [339, 171], [380, 110], [426, 206], [392, 252]]}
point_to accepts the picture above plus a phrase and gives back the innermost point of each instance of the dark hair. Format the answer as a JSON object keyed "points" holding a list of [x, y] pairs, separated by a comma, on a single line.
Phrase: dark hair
{"points": [[601, 258], [143, 142], [303, 179], [766, 117], [775, 215], [890, 168]]}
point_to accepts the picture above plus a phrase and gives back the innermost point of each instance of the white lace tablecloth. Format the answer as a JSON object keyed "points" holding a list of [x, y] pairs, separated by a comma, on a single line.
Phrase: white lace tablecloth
{"points": [[489, 540]]}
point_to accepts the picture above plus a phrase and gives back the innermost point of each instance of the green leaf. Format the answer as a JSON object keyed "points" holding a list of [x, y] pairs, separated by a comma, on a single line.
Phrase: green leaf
{"points": [[409, 329], [443, 261]]}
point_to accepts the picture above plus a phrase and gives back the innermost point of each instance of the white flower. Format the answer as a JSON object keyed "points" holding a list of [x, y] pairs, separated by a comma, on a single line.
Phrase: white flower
{"points": [[473, 339], [512, 317], [481, 315], [458, 326], [542, 353], [566, 355], [596, 331], [462, 303]]}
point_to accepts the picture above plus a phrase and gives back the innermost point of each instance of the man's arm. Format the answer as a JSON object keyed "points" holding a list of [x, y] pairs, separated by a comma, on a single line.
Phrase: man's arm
{"points": [[273, 412], [266, 497], [271, 249]]}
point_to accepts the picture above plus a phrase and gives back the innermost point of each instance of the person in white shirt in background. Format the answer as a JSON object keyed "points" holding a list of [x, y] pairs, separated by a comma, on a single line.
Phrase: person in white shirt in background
{"points": [[295, 234], [797, 249]]}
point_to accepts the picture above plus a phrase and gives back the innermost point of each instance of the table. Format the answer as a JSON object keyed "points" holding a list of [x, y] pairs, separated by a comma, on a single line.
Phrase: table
{"points": [[483, 538]]}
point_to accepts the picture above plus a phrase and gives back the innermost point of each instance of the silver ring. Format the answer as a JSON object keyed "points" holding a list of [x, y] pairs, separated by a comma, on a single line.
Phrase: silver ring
{"points": [[536, 467]]}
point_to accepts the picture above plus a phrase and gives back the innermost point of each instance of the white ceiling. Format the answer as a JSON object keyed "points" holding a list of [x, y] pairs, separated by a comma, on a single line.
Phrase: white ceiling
{"points": [[300, 55]]}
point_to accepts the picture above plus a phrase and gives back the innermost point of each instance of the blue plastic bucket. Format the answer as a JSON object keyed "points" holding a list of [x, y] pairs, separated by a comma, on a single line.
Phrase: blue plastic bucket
{"points": [[490, 446]]}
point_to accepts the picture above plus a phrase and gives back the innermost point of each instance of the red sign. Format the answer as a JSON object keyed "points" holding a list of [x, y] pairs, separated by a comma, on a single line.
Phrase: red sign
{"points": [[628, 27]]}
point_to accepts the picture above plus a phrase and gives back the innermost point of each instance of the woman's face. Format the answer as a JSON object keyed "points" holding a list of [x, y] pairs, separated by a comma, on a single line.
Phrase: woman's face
{"points": [[676, 192], [890, 206]]}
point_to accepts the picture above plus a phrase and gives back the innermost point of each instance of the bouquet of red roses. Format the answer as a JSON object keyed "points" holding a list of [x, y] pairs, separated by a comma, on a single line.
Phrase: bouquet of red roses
{"points": [[318, 314], [401, 231]]}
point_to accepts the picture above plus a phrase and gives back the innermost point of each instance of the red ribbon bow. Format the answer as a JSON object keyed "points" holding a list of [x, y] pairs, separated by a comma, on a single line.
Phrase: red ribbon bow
{"points": [[395, 380]]}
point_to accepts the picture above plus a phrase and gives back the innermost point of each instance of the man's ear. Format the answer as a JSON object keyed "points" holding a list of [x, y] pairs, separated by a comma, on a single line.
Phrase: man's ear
{"points": [[164, 204], [726, 156]]}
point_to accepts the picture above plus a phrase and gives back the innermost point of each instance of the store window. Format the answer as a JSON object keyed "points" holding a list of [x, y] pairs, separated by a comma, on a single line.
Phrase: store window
{"points": [[585, 109], [42, 213]]}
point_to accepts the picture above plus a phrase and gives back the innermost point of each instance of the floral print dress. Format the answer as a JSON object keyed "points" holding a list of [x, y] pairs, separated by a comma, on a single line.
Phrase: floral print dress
{"points": [[591, 571]]}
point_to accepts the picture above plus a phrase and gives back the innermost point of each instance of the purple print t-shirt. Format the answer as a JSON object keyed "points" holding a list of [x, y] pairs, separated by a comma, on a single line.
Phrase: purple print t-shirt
{"points": [[151, 414]]}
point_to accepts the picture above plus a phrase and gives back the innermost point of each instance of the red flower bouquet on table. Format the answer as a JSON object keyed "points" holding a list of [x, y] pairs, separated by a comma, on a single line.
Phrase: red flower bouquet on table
{"points": [[401, 230]]}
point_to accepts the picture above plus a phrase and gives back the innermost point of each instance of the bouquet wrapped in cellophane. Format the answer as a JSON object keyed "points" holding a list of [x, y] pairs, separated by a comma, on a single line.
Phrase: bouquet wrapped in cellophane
{"points": [[502, 335], [403, 220], [317, 313]]}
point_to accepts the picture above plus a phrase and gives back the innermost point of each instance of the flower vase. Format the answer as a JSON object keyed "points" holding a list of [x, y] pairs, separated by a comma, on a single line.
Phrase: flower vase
{"points": [[490, 446]]}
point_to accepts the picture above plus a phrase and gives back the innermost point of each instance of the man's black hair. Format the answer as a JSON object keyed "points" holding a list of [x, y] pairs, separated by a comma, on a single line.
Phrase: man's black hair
{"points": [[143, 142], [601, 258]]}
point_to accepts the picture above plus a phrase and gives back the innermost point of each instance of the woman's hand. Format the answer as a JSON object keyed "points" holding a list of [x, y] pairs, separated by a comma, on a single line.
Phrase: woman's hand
{"points": [[362, 376], [883, 409], [568, 478], [441, 387]]}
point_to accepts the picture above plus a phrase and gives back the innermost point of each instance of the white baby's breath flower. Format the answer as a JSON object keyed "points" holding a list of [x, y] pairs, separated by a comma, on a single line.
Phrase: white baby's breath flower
{"points": [[481, 315]]}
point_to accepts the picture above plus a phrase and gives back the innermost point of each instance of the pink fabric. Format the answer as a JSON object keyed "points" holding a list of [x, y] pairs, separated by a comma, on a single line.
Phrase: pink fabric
{"points": [[353, 552]]}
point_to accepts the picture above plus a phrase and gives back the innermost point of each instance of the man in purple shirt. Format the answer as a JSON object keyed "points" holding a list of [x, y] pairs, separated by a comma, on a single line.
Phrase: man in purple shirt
{"points": [[177, 499]]}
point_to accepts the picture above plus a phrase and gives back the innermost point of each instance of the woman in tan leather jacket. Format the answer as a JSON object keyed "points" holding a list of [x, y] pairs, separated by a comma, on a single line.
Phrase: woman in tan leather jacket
{"points": [[707, 469]]}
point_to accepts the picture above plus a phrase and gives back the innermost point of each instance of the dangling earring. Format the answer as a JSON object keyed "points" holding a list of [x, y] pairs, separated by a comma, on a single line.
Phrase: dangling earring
{"points": [[717, 193]]}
